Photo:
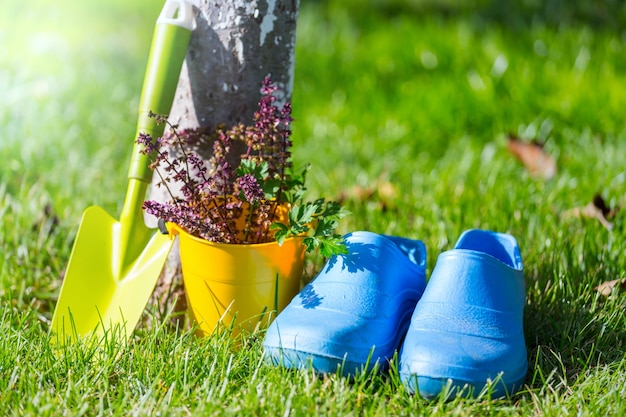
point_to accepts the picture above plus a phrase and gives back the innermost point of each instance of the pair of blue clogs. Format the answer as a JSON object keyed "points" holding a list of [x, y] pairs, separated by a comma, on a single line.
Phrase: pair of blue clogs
{"points": [[458, 334]]}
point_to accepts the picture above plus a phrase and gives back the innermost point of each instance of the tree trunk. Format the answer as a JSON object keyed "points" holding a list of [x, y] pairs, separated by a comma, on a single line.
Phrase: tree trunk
{"points": [[235, 44]]}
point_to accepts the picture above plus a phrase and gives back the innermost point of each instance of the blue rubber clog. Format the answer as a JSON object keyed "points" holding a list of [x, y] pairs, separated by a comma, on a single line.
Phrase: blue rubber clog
{"points": [[355, 312], [467, 328]]}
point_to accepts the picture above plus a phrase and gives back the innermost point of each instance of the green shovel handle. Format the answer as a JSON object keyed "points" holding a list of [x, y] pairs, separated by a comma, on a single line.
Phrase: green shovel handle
{"points": [[167, 53]]}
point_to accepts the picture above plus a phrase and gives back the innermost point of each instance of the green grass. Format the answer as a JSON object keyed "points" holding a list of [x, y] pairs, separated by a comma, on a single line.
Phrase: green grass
{"points": [[416, 94]]}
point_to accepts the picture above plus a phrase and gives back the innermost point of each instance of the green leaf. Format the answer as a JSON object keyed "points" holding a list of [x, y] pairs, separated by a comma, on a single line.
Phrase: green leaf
{"points": [[270, 188], [278, 225], [334, 209], [311, 243], [281, 236], [333, 246], [258, 170], [293, 187], [302, 214], [325, 227]]}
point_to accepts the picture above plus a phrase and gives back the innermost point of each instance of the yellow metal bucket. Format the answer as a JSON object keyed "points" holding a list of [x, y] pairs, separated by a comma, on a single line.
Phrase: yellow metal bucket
{"points": [[238, 285]]}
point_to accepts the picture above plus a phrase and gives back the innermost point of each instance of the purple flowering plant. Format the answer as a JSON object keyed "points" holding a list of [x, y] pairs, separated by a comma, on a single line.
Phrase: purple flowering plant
{"points": [[260, 200]]}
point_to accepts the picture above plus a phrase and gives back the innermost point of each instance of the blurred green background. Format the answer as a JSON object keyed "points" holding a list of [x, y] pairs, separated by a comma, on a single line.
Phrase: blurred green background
{"points": [[417, 76]]}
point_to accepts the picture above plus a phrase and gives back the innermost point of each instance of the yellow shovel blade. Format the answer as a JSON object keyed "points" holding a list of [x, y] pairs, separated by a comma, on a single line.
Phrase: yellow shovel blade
{"points": [[97, 294]]}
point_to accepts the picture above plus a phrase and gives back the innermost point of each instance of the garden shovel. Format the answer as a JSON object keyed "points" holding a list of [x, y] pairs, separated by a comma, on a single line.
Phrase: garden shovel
{"points": [[114, 265]]}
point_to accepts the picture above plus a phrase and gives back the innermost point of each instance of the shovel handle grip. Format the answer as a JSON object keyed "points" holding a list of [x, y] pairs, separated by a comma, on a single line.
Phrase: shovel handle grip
{"points": [[167, 53]]}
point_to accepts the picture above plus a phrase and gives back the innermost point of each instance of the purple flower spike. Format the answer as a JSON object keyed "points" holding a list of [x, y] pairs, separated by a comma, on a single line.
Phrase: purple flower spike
{"points": [[251, 189]]}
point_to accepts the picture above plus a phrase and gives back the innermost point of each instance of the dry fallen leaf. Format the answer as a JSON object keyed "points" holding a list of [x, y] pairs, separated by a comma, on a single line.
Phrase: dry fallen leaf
{"points": [[381, 192], [533, 157], [606, 288], [597, 209]]}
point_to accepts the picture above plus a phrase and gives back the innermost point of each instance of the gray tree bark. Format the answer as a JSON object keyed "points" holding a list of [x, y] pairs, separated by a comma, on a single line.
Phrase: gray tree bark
{"points": [[235, 44]]}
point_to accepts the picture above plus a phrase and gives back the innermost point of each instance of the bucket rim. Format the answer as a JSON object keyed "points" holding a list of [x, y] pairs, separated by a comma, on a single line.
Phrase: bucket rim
{"points": [[174, 229]]}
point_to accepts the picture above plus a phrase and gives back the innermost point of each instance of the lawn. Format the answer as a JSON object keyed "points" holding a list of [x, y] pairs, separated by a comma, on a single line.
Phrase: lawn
{"points": [[404, 109]]}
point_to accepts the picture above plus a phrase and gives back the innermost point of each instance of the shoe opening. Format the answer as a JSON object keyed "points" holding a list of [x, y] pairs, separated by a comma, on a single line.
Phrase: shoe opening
{"points": [[501, 246]]}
